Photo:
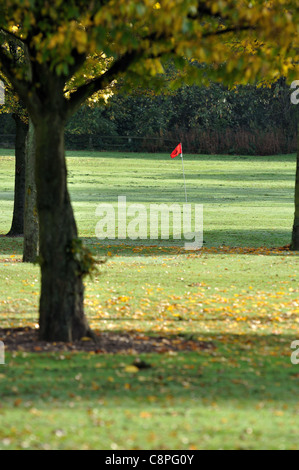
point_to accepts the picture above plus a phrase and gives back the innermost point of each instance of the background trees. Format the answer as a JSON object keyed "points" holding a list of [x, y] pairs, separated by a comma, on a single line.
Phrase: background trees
{"points": [[245, 119]]}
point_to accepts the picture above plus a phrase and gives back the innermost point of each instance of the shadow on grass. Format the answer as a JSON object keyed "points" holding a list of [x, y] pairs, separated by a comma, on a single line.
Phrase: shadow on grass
{"points": [[250, 368], [198, 193], [229, 242], [252, 242], [237, 176], [10, 246], [188, 156]]}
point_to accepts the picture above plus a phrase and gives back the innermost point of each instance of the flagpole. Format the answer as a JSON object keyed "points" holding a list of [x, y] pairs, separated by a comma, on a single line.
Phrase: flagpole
{"points": [[183, 171]]}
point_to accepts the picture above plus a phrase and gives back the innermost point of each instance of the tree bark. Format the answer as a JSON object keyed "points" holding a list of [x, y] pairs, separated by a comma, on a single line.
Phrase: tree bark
{"points": [[62, 290], [295, 236], [17, 226], [30, 247]]}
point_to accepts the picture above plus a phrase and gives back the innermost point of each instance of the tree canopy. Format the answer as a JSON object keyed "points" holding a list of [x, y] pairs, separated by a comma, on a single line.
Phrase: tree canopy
{"points": [[246, 38]]}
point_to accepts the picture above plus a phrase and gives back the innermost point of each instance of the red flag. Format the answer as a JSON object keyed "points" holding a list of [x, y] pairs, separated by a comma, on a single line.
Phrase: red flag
{"points": [[177, 151]]}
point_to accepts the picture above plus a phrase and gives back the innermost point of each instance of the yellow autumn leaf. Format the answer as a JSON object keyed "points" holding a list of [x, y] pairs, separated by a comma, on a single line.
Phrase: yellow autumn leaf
{"points": [[131, 369], [145, 414]]}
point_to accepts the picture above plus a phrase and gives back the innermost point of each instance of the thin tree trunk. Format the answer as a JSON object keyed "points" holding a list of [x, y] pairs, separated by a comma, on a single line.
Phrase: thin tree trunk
{"points": [[61, 303], [17, 226], [30, 248], [295, 236]]}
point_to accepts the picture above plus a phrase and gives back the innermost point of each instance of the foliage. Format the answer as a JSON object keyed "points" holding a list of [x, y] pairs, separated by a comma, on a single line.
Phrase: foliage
{"points": [[87, 264], [208, 108], [12, 102], [89, 120], [247, 119], [228, 36]]}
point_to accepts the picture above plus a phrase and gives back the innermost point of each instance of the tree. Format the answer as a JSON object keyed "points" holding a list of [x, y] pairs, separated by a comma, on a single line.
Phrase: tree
{"points": [[31, 225], [13, 105], [17, 225], [295, 233], [24, 220], [132, 40]]}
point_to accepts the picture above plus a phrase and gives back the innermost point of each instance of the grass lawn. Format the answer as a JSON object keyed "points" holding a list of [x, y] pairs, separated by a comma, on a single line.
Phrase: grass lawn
{"points": [[239, 292]]}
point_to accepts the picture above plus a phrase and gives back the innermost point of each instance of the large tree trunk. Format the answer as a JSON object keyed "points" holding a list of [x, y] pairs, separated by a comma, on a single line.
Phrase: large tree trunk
{"points": [[17, 226], [30, 247], [295, 237], [61, 303]]}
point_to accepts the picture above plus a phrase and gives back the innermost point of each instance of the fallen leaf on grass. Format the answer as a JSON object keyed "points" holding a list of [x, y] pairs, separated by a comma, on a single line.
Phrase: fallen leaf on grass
{"points": [[145, 414], [131, 369]]}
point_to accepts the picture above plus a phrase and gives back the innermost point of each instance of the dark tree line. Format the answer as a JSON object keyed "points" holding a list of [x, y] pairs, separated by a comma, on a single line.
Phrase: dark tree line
{"points": [[247, 119]]}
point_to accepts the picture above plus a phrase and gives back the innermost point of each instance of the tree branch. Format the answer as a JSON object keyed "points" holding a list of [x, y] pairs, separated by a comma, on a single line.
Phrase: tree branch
{"points": [[79, 60], [12, 36], [203, 10], [233, 29], [121, 64], [22, 87], [8, 65], [88, 89]]}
